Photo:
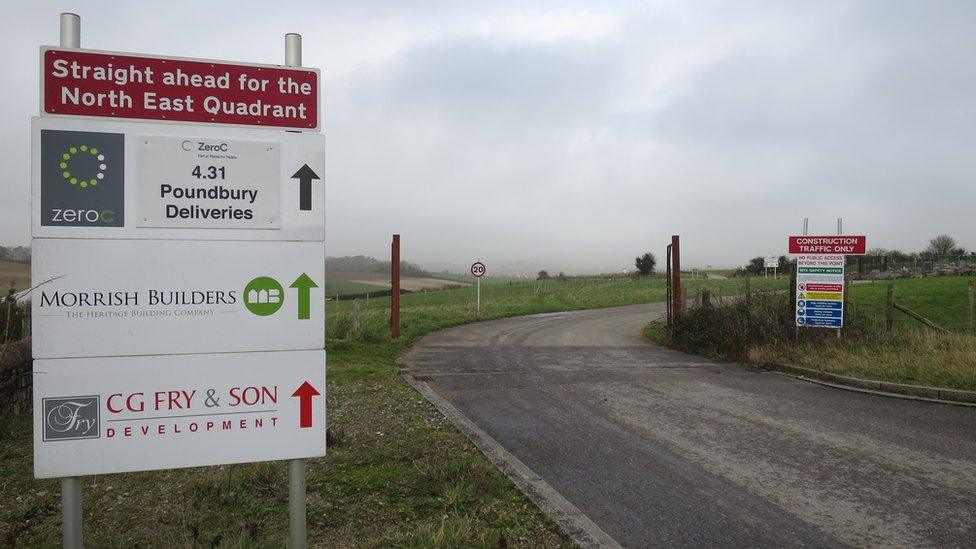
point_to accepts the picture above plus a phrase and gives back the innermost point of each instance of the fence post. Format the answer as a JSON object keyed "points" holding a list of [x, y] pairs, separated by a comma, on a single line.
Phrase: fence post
{"points": [[748, 287], [356, 317], [969, 317], [395, 290], [890, 308]]}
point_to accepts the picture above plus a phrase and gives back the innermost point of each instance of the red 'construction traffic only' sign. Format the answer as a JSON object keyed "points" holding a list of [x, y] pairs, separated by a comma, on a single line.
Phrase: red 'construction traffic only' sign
{"points": [[830, 245], [116, 85]]}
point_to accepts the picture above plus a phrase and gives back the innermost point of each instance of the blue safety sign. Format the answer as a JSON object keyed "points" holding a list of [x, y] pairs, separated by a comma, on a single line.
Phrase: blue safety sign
{"points": [[819, 322]]}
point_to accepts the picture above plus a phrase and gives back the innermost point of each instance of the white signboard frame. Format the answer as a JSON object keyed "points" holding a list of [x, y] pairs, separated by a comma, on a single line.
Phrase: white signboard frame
{"points": [[137, 297], [109, 415]]}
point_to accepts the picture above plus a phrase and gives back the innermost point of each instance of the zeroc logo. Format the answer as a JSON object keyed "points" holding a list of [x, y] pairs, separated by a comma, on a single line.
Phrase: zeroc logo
{"points": [[82, 179], [203, 146]]}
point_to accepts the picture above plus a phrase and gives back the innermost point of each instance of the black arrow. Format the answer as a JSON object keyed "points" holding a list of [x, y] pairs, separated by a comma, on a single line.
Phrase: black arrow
{"points": [[305, 175]]}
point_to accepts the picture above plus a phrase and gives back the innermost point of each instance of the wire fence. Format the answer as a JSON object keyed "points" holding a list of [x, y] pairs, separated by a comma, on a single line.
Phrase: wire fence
{"points": [[885, 267]]}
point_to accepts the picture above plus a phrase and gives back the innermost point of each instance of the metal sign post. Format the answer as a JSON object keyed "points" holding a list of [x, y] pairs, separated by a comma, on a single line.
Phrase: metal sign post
{"points": [[478, 270], [297, 534], [72, 535]]}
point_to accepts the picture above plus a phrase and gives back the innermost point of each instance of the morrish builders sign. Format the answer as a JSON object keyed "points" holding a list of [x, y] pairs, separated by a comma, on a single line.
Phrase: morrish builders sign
{"points": [[830, 245], [123, 86]]}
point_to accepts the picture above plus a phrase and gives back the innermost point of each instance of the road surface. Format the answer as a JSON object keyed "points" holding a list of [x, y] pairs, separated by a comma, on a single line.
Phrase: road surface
{"points": [[661, 448]]}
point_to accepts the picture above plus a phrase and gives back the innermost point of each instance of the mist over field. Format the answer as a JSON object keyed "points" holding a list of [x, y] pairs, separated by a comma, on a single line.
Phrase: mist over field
{"points": [[574, 136]]}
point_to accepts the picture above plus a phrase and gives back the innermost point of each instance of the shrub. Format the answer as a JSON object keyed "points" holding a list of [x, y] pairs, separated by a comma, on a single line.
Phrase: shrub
{"points": [[728, 330]]}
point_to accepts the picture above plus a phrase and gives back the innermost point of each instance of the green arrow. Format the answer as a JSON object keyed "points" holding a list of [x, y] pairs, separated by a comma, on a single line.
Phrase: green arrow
{"points": [[304, 284]]}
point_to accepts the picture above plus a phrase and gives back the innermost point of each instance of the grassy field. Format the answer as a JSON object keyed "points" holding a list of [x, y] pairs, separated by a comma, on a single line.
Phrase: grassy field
{"points": [[911, 354], [16, 273], [335, 286], [400, 475], [943, 300]]}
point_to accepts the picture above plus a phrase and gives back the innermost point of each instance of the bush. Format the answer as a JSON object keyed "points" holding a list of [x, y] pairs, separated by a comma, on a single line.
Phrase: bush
{"points": [[730, 329], [14, 317]]}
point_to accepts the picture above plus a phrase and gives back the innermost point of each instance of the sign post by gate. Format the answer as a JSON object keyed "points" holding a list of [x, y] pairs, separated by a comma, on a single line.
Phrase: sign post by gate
{"points": [[179, 306], [478, 270]]}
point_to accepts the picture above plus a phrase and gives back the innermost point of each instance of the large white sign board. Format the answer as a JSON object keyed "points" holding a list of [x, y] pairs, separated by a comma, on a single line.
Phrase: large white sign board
{"points": [[105, 179], [104, 415], [137, 297]]}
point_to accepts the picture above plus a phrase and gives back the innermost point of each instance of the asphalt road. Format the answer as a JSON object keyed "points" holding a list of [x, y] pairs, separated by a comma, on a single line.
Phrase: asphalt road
{"points": [[660, 448]]}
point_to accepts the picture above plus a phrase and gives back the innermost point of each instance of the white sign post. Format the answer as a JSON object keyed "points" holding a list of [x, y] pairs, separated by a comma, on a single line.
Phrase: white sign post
{"points": [[478, 270], [179, 315]]}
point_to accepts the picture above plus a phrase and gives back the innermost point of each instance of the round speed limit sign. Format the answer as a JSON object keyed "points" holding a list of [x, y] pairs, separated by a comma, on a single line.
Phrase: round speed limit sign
{"points": [[478, 269]]}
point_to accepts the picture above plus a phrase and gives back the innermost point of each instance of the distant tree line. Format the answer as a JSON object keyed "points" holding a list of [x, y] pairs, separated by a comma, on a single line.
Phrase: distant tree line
{"points": [[15, 253], [366, 264], [942, 248]]}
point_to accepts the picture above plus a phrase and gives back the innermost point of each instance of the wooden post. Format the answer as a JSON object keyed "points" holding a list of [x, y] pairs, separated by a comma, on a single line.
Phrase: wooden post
{"points": [[676, 274], [356, 317], [969, 317], [890, 309], [395, 292], [748, 287]]}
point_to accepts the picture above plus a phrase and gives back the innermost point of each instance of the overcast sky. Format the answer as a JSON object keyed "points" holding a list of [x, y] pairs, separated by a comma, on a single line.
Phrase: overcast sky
{"points": [[576, 134]]}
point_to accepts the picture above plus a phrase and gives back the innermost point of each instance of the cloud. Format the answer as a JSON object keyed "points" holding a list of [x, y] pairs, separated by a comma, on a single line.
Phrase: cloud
{"points": [[572, 134]]}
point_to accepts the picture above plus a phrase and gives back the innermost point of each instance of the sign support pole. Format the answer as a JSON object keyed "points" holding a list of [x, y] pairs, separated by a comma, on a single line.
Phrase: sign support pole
{"points": [[840, 231], [71, 515], [297, 533], [479, 297]]}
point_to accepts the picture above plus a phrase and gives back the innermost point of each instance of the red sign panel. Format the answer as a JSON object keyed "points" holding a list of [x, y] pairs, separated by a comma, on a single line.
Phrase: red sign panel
{"points": [[811, 287], [831, 245], [90, 83]]}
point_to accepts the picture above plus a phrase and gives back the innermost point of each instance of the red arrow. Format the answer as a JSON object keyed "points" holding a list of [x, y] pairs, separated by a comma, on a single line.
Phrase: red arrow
{"points": [[305, 394]]}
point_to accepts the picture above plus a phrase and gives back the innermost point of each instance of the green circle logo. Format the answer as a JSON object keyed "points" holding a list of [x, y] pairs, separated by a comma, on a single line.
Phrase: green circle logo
{"points": [[263, 296], [73, 153]]}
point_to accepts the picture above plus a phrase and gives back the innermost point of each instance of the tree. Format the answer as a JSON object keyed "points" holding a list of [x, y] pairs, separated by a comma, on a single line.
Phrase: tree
{"points": [[645, 264], [543, 275], [783, 264], [756, 266], [944, 245]]}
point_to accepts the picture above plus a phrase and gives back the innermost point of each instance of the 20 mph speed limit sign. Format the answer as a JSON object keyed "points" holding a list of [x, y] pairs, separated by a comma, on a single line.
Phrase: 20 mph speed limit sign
{"points": [[478, 269]]}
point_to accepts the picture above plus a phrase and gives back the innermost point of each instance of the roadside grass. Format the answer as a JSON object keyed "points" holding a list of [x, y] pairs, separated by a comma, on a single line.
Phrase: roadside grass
{"points": [[918, 358], [397, 473], [911, 354]]}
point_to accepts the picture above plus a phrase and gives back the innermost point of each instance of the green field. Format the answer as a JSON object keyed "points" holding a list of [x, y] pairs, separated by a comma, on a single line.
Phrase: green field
{"points": [[335, 286], [425, 312], [400, 476], [14, 273]]}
